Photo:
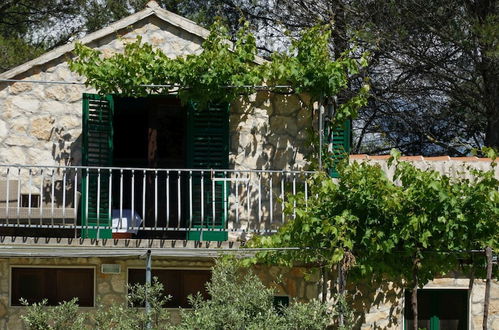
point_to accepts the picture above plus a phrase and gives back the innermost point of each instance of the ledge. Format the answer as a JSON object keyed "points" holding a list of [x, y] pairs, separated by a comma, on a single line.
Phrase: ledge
{"points": [[18, 247]]}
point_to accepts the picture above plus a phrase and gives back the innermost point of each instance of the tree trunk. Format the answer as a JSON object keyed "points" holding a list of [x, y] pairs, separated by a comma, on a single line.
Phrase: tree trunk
{"points": [[492, 133], [414, 297], [341, 292], [488, 67], [488, 255], [324, 283], [472, 280]]}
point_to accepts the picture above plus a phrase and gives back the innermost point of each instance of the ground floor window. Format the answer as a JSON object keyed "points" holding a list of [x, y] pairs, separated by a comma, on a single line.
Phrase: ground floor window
{"points": [[54, 284], [438, 309], [178, 283]]}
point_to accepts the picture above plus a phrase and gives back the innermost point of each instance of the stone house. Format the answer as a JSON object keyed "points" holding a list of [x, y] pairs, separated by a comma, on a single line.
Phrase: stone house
{"points": [[81, 199]]}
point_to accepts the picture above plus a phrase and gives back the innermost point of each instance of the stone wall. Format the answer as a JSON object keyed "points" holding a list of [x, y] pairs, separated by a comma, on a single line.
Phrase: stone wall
{"points": [[383, 304], [270, 131], [378, 306], [111, 288], [40, 124]]}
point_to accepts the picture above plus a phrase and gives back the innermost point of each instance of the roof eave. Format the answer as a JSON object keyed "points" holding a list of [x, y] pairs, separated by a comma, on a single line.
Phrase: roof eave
{"points": [[165, 15]]}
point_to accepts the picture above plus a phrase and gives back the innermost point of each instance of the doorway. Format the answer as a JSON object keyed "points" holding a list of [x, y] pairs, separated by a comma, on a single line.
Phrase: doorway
{"points": [[150, 133], [438, 309], [136, 136]]}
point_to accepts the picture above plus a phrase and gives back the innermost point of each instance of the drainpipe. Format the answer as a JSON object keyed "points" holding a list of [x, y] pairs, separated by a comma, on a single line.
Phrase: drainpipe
{"points": [[148, 287]]}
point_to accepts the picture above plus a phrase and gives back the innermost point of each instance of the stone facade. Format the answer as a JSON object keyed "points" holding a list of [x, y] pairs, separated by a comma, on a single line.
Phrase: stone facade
{"points": [[383, 304], [378, 306], [111, 288], [40, 124], [269, 131]]}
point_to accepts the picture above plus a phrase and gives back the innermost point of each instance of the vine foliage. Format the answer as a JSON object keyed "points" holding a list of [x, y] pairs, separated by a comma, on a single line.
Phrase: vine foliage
{"points": [[223, 70], [410, 227]]}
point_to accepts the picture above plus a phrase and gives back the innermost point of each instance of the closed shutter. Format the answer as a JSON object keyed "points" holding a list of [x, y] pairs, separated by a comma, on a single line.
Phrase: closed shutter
{"points": [[339, 138], [208, 148], [97, 150]]}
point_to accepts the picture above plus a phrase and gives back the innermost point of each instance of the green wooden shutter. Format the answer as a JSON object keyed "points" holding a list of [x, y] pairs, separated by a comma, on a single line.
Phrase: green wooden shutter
{"points": [[208, 148], [339, 139], [97, 150]]}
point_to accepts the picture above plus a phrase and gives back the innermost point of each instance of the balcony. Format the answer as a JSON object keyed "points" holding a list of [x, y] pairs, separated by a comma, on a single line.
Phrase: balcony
{"points": [[113, 202]]}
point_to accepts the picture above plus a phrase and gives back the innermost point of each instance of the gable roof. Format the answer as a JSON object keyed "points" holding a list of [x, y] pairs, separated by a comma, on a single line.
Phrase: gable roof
{"points": [[152, 9]]}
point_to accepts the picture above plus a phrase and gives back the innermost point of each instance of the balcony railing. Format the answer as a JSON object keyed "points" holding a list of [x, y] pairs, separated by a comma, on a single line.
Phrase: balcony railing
{"points": [[105, 202]]}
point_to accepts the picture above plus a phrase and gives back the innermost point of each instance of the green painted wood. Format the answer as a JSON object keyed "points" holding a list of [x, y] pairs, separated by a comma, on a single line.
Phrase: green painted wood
{"points": [[339, 140], [438, 303], [208, 148], [97, 150], [434, 319]]}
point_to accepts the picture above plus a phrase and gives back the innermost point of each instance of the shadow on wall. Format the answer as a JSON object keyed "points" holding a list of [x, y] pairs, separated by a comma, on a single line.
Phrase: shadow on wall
{"points": [[66, 151], [270, 131], [377, 304], [267, 131]]}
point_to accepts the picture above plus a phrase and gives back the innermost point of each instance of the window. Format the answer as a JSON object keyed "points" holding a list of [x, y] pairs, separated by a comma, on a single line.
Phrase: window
{"points": [[54, 284], [178, 283], [438, 309]]}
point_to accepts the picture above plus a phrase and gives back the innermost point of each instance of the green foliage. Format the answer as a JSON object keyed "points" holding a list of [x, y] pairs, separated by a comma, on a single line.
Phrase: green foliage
{"points": [[312, 315], [224, 70], [239, 300], [65, 316], [135, 316], [200, 77], [15, 50], [386, 221], [308, 66]]}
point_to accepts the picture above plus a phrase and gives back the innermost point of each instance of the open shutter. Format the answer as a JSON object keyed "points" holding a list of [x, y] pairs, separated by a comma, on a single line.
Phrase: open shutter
{"points": [[97, 150], [339, 138], [208, 148]]}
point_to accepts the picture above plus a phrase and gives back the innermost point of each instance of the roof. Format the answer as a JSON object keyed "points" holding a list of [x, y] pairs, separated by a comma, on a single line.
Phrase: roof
{"points": [[152, 9]]}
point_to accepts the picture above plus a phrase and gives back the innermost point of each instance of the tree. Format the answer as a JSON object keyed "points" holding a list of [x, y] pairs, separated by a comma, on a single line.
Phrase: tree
{"points": [[30, 28], [434, 66], [223, 72], [124, 316], [412, 226], [64, 316], [239, 300], [437, 73]]}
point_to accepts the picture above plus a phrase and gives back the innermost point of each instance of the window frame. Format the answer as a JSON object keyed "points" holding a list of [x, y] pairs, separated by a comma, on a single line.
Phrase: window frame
{"points": [[94, 282], [164, 268], [462, 288]]}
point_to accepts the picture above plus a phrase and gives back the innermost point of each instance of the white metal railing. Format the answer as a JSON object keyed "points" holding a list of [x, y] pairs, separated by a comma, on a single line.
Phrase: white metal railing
{"points": [[142, 201]]}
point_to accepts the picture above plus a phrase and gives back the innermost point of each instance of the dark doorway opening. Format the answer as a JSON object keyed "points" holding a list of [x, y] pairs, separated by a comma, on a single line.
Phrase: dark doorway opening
{"points": [[438, 309], [150, 133], [150, 143]]}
